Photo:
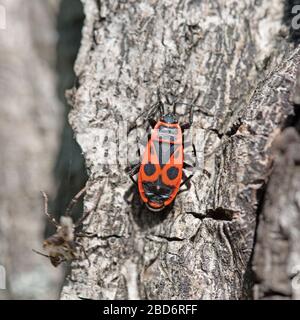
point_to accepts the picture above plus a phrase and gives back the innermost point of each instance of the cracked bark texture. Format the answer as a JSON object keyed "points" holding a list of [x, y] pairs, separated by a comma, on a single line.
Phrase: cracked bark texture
{"points": [[239, 57]]}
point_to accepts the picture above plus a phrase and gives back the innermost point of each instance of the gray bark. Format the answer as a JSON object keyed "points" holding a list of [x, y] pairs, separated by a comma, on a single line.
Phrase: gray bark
{"points": [[29, 130], [276, 257], [237, 54]]}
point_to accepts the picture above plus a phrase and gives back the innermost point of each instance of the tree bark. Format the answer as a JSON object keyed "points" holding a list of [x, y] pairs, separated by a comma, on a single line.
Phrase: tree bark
{"points": [[276, 255], [237, 58]]}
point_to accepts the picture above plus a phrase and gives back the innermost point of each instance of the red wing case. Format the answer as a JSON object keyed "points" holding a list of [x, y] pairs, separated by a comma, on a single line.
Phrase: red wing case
{"points": [[160, 173]]}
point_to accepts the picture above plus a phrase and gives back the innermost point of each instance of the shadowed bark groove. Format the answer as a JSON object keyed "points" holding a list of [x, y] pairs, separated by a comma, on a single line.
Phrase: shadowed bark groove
{"points": [[238, 56]]}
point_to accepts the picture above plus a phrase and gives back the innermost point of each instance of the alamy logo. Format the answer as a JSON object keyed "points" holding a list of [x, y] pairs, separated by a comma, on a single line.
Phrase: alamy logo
{"points": [[2, 278], [2, 18], [296, 18]]}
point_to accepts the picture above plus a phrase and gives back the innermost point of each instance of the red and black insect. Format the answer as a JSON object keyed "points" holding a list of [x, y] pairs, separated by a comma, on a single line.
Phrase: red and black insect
{"points": [[160, 172]]}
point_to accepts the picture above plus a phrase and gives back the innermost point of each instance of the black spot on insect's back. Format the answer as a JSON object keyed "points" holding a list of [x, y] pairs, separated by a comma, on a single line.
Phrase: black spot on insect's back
{"points": [[149, 169], [172, 173]]}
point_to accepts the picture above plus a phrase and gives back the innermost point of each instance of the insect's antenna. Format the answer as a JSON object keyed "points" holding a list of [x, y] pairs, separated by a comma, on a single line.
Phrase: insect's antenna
{"points": [[152, 110], [159, 104], [172, 102], [158, 93], [149, 112], [146, 111], [41, 254], [192, 107], [74, 201], [174, 106]]}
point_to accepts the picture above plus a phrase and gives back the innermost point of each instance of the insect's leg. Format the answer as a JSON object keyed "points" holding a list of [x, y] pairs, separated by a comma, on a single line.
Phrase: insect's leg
{"points": [[75, 200], [186, 180], [150, 113], [131, 166], [41, 254], [157, 107], [174, 108], [191, 114], [134, 171], [80, 221], [191, 118], [49, 216], [188, 166], [135, 168], [143, 141], [160, 104], [84, 252], [161, 109], [150, 118], [152, 122], [196, 163]]}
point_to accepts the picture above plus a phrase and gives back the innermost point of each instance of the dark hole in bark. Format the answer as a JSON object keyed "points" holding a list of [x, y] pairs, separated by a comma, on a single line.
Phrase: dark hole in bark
{"points": [[221, 214]]}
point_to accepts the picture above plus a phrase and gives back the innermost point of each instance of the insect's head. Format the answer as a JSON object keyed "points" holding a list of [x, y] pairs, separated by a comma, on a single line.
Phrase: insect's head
{"points": [[170, 118], [56, 260], [155, 207]]}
